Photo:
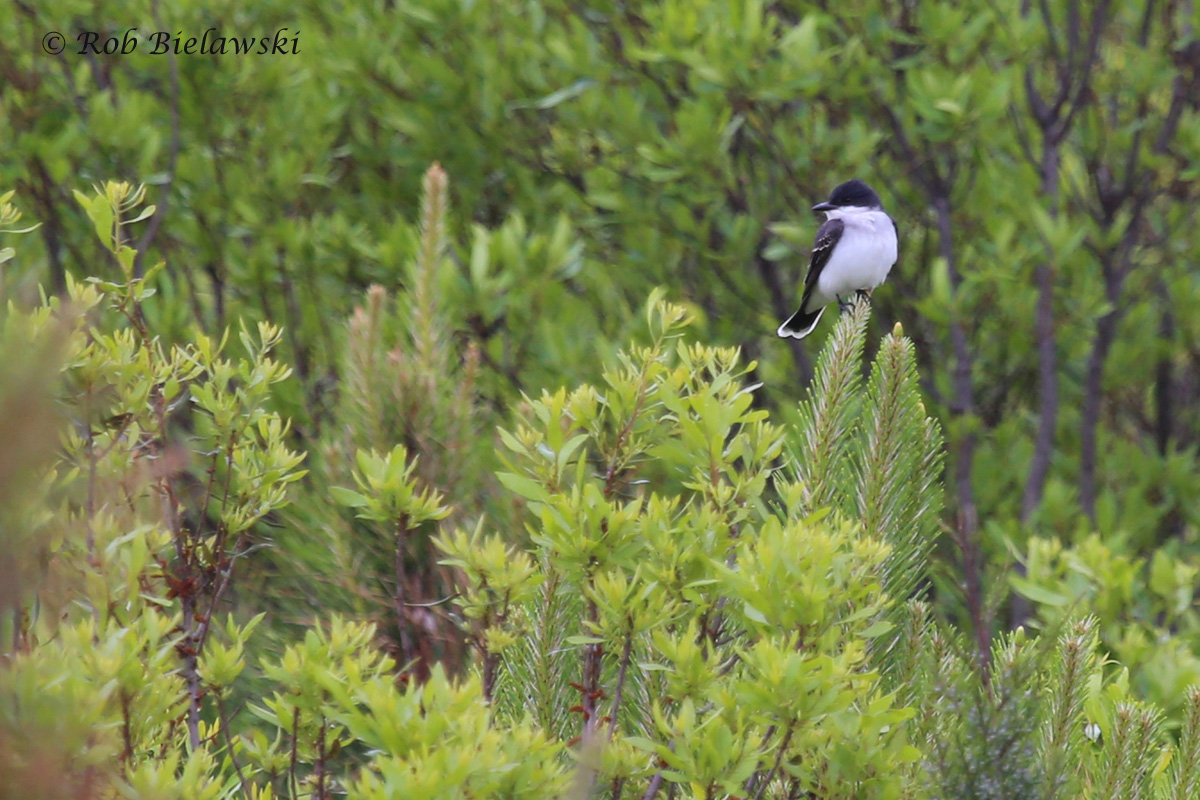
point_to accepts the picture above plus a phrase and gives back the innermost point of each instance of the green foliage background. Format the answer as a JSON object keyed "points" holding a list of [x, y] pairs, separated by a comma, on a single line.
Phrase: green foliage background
{"points": [[1040, 159]]}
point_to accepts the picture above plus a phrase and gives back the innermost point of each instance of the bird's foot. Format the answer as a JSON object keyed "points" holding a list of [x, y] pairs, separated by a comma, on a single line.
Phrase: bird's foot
{"points": [[843, 305], [863, 294]]}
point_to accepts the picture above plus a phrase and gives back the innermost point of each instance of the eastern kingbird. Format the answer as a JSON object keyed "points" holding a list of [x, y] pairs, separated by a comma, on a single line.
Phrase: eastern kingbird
{"points": [[854, 250]]}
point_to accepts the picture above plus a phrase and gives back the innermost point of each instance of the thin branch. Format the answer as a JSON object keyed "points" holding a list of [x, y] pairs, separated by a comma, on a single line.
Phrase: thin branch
{"points": [[1037, 106], [295, 752], [783, 746], [593, 654], [206, 623], [1116, 267], [963, 405], [224, 720], [1181, 92], [657, 781], [1051, 37], [626, 654], [1066, 65], [1084, 78], [43, 192], [319, 766], [1164, 374], [406, 646], [917, 166], [1044, 323]]}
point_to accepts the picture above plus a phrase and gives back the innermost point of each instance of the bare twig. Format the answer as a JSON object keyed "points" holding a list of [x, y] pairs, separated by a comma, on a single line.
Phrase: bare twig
{"points": [[295, 753], [656, 782], [319, 765], [224, 720], [406, 645], [626, 654], [783, 746], [593, 654], [963, 405], [206, 623]]}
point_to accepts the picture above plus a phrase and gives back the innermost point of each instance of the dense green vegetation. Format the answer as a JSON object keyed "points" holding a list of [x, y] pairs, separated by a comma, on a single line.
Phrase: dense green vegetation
{"points": [[404, 417]]}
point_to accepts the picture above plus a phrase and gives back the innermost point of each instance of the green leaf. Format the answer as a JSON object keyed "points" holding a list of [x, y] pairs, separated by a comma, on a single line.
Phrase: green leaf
{"points": [[101, 214], [524, 487], [146, 212], [754, 614], [560, 96], [878, 629], [777, 251], [1162, 574], [585, 640], [1036, 593], [949, 106], [346, 497]]}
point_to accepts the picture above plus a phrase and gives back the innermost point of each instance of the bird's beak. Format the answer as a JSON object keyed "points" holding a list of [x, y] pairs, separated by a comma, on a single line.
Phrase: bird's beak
{"points": [[823, 207]]}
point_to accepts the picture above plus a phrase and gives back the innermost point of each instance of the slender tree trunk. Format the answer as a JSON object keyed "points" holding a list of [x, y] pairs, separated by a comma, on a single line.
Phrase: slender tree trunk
{"points": [[191, 668], [43, 195], [1137, 191], [963, 407], [1093, 384], [1164, 379], [593, 653], [1043, 445], [1116, 265], [1047, 346]]}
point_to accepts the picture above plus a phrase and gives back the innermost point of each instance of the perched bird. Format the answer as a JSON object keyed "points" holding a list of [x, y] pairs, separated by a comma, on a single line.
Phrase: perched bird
{"points": [[854, 250]]}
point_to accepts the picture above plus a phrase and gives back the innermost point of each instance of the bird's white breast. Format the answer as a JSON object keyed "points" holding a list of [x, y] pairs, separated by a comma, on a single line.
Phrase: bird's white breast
{"points": [[863, 256]]}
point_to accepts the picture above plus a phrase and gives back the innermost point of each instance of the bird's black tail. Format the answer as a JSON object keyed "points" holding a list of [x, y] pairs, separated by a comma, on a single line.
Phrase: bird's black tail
{"points": [[801, 323]]}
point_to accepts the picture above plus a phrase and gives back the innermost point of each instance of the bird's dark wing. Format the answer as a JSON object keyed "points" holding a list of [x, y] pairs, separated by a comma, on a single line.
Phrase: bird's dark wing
{"points": [[828, 235], [803, 322]]}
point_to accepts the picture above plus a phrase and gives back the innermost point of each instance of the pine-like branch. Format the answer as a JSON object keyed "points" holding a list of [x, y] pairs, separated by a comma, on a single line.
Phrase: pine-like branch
{"points": [[1129, 754], [828, 415], [874, 454], [1062, 730], [898, 465], [1185, 767], [426, 332]]}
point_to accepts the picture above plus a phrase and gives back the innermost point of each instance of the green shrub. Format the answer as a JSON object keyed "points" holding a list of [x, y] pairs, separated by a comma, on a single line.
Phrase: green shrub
{"points": [[689, 609]]}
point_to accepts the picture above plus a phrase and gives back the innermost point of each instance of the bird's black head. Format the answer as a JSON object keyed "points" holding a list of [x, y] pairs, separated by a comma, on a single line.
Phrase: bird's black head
{"points": [[851, 193]]}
